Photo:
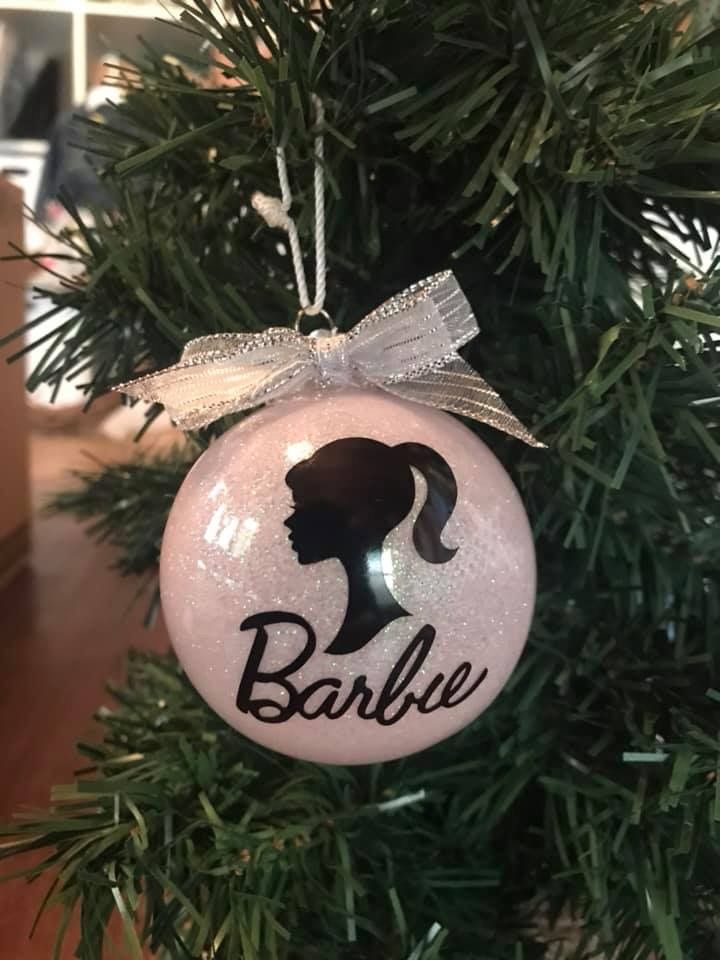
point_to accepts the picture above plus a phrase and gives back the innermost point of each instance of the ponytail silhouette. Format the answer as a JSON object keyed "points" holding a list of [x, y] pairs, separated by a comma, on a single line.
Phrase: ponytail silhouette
{"points": [[439, 502], [348, 496]]}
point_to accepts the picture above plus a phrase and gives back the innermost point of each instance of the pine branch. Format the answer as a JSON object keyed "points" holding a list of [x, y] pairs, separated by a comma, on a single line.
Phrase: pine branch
{"points": [[128, 504], [550, 151], [212, 828], [182, 162]]}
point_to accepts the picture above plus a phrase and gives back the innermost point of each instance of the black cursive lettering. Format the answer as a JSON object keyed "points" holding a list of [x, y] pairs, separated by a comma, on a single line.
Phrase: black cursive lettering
{"points": [[396, 683], [272, 697], [252, 673], [454, 685]]}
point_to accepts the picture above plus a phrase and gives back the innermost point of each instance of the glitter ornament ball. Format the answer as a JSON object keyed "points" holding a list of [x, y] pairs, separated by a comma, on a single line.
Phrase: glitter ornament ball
{"points": [[348, 577]]}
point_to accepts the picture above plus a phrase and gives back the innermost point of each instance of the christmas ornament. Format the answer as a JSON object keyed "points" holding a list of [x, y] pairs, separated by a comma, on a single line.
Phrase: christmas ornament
{"points": [[347, 576]]}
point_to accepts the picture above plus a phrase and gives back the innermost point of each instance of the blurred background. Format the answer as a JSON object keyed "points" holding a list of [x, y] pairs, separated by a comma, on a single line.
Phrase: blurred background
{"points": [[66, 619]]}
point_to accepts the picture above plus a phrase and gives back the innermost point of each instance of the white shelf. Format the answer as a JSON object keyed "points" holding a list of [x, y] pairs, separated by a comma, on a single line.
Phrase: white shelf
{"points": [[89, 25], [96, 8], [131, 11], [36, 6]]}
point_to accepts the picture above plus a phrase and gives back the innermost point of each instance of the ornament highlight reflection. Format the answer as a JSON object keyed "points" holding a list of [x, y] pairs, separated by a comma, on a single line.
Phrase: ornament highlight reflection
{"points": [[296, 452]]}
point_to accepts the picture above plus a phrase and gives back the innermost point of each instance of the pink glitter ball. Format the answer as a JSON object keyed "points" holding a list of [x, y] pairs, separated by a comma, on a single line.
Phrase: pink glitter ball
{"points": [[348, 577]]}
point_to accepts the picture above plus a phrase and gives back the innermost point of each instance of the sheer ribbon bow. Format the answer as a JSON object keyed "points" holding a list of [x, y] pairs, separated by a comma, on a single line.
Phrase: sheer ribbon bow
{"points": [[408, 347]]}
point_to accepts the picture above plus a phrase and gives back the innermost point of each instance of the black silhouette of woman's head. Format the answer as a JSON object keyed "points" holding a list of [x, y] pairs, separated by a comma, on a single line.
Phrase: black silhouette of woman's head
{"points": [[351, 493], [348, 496]]}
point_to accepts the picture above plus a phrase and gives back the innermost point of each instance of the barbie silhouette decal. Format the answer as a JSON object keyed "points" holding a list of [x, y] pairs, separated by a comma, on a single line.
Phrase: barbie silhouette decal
{"points": [[349, 496], [348, 577]]}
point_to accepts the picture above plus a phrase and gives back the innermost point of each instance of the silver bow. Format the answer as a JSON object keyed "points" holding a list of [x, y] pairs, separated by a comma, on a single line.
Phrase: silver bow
{"points": [[407, 346]]}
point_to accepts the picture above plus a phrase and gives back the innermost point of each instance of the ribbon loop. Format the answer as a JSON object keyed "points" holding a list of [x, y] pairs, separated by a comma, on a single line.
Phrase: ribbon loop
{"points": [[408, 346]]}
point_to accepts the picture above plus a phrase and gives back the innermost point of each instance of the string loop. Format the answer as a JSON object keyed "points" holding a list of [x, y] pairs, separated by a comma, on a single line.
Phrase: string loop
{"points": [[275, 211]]}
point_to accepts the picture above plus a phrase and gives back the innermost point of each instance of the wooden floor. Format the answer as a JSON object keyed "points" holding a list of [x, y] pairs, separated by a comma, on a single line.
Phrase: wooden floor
{"points": [[65, 626]]}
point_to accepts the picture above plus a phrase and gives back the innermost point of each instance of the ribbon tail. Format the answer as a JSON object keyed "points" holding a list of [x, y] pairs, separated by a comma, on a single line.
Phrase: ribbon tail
{"points": [[196, 394], [459, 389]]}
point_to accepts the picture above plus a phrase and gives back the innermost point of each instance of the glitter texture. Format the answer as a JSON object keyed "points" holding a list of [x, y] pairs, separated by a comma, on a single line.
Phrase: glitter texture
{"points": [[226, 557]]}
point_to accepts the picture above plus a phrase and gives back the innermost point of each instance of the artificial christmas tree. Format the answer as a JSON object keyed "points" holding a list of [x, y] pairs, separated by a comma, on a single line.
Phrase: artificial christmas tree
{"points": [[562, 157]]}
